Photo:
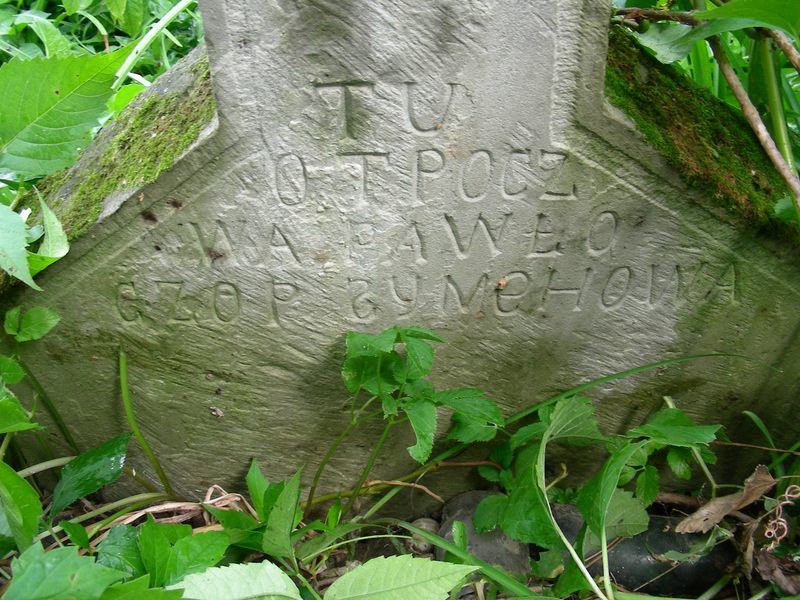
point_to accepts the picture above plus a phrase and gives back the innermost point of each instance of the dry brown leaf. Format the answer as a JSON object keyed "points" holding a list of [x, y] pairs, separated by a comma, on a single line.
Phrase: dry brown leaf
{"points": [[703, 519], [779, 570]]}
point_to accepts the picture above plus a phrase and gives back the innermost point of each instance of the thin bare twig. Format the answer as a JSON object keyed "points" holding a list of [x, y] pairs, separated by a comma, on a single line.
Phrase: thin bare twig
{"points": [[754, 119], [416, 486], [783, 42], [649, 14]]}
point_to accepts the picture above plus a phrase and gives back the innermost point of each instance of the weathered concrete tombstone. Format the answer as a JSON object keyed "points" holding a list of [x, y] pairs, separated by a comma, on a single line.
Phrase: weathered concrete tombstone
{"points": [[445, 164]]}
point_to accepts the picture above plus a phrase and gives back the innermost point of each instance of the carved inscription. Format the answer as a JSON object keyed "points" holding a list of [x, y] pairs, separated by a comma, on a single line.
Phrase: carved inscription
{"points": [[491, 229]]}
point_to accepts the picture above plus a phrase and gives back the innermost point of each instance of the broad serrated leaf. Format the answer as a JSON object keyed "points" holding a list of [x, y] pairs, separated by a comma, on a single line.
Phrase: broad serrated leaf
{"points": [[20, 506], [120, 550], [277, 535], [49, 108], [129, 14], [573, 419], [626, 515], [596, 495], [59, 574], [13, 240], [417, 332], [77, 534], [489, 512], [678, 461], [252, 581], [672, 427], [419, 355], [53, 246], [364, 344], [257, 486], [36, 323], [155, 545], [422, 416], [90, 471], [399, 578], [647, 485], [139, 589], [475, 417], [73, 6]]}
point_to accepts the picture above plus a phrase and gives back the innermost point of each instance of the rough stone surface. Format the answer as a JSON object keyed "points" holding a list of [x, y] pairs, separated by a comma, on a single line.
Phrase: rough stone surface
{"points": [[446, 164]]}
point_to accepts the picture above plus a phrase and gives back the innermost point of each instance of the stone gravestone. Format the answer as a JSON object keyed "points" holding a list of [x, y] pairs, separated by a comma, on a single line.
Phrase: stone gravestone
{"points": [[444, 164]]}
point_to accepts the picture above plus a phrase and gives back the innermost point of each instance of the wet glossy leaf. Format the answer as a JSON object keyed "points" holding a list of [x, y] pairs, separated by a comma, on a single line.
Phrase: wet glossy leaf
{"points": [[22, 510], [90, 471], [120, 550]]}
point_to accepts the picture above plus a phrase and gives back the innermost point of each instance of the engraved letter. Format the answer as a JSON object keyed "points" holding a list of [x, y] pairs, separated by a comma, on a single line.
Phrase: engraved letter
{"points": [[514, 183], [347, 110], [279, 241], [226, 302], [214, 247], [578, 292], [616, 288], [437, 123], [127, 302], [412, 241], [476, 176], [278, 296], [541, 244], [508, 299], [365, 156], [428, 163], [291, 179], [408, 300], [602, 233], [494, 234], [364, 306], [464, 301]]}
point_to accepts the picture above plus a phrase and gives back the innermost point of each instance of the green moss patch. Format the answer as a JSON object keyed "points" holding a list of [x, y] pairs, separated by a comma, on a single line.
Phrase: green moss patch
{"points": [[704, 139], [148, 139]]}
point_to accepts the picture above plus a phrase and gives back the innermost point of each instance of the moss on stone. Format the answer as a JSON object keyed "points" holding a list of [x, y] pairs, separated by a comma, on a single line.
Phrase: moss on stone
{"points": [[704, 139], [147, 140]]}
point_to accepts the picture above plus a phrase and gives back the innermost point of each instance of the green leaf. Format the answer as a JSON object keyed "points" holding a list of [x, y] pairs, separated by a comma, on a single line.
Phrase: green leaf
{"points": [[120, 551], [252, 581], [195, 553], [155, 546], [647, 485], [364, 344], [399, 578], [488, 513], [123, 97], [90, 471], [12, 320], [626, 515], [776, 14], [671, 42], [129, 14], [678, 460], [53, 246], [422, 416], [54, 42], [379, 375], [257, 485], [139, 589], [672, 427], [13, 240], [595, 496], [21, 507], [476, 417], [10, 371], [232, 519], [277, 536], [36, 323], [13, 417], [59, 574], [316, 545], [420, 357], [73, 6], [53, 105], [785, 209], [77, 534], [417, 332]]}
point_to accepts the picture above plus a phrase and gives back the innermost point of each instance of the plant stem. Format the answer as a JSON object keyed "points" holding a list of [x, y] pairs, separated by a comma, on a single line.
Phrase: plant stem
{"points": [[51, 409], [779, 130], [698, 457], [373, 456], [754, 119], [606, 572], [715, 589], [126, 402], [44, 466], [146, 40], [324, 462], [4, 446], [786, 46]]}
